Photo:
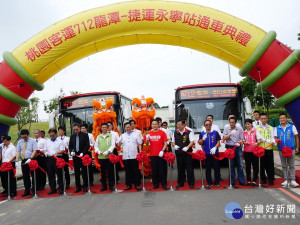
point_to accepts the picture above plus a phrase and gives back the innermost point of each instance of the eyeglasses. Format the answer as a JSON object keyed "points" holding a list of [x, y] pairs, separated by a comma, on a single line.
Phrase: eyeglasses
{"points": [[207, 125]]}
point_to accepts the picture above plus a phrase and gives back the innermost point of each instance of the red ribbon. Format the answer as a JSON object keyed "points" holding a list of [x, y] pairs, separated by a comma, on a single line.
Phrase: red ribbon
{"points": [[39, 152], [7, 166], [287, 152], [114, 159], [259, 151], [198, 155], [60, 163], [169, 157], [86, 160], [33, 165], [121, 160], [229, 153], [141, 157]]}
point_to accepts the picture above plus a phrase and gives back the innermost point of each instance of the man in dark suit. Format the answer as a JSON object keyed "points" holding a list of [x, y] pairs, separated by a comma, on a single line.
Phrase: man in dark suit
{"points": [[79, 146]]}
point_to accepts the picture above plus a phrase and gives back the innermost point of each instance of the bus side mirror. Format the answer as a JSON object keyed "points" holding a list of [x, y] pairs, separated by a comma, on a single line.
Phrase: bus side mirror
{"points": [[248, 108], [171, 111]]}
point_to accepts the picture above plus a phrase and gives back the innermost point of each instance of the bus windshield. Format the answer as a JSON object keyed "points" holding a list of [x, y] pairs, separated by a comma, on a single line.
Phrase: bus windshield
{"points": [[195, 111]]}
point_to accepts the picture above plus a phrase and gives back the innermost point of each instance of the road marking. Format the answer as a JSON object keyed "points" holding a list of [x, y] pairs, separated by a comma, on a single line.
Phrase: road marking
{"points": [[290, 194], [3, 202]]}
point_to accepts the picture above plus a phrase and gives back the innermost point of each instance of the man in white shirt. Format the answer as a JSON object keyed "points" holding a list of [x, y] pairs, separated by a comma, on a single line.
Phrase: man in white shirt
{"points": [[54, 146], [65, 155], [213, 127], [132, 124], [84, 129], [130, 141], [41, 159], [9, 155], [257, 121]]}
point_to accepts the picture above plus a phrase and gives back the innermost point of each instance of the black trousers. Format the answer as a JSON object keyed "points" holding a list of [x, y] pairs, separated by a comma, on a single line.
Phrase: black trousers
{"points": [[211, 162], [267, 164], [40, 175], [12, 181], [251, 159], [26, 177], [107, 168], [185, 163], [91, 174], [159, 171], [66, 169], [77, 168], [132, 174], [52, 170]]}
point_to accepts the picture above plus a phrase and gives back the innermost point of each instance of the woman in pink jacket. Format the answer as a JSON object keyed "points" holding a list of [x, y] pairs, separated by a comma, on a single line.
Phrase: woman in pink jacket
{"points": [[251, 140]]}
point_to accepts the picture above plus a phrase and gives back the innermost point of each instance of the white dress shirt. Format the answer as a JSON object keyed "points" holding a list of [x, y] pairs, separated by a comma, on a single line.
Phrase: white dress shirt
{"points": [[41, 143], [8, 152], [115, 136], [52, 147], [65, 140], [129, 143], [139, 133]]}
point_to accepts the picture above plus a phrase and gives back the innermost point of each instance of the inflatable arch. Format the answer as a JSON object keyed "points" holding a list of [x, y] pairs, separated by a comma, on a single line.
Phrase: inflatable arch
{"points": [[252, 50]]}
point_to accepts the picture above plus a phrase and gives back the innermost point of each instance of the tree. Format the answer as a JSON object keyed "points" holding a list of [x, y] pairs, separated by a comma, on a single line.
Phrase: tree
{"points": [[28, 114], [298, 36], [156, 106], [257, 97], [74, 92], [53, 104]]}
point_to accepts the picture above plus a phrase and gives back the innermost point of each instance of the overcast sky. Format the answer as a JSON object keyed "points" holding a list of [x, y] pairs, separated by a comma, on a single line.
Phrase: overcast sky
{"points": [[150, 70]]}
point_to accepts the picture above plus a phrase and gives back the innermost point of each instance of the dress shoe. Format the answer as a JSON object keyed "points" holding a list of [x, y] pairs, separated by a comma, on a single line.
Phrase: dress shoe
{"points": [[191, 186], [178, 186], [51, 192], [25, 194], [138, 188], [165, 188], [271, 183], [60, 192], [103, 189], [155, 186], [13, 194], [68, 186], [111, 188], [3, 192], [4, 195], [32, 193], [127, 188], [77, 190], [84, 189]]}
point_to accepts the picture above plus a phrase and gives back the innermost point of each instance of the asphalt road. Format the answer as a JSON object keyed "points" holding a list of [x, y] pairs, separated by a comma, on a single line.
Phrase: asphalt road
{"points": [[176, 208]]}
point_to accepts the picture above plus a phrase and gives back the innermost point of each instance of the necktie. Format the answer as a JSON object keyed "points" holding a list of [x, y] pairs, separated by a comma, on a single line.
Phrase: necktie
{"points": [[23, 150], [257, 123], [77, 143], [37, 140]]}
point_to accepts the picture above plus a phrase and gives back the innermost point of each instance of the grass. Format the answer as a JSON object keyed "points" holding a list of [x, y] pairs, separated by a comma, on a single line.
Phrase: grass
{"points": [[13, 132]]}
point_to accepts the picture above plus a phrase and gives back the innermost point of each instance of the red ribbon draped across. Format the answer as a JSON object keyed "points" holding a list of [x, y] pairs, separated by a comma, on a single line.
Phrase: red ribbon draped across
{"points": [[198, 155], [7, 166], [33, 165], [169, 157]]}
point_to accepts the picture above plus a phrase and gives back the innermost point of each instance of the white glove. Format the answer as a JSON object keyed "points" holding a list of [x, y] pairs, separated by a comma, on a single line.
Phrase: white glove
{"points": [[105, 153], [81, 154], [161, 153], [204, 137], [185, 149], [147, 137], [268, 141], [72, 153], [213, 150], [263, 140], [98, 152], [27, 161], [238, 145], [176, 147], [233, 131], [17, 164]]}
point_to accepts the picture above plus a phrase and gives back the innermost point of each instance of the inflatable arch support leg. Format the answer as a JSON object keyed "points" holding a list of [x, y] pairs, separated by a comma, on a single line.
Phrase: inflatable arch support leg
{"points": [[216, 33]]}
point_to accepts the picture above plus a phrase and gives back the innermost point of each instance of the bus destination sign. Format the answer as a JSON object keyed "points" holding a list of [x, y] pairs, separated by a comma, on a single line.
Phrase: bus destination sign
{"points": [[208, 92], [84, 101]]}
